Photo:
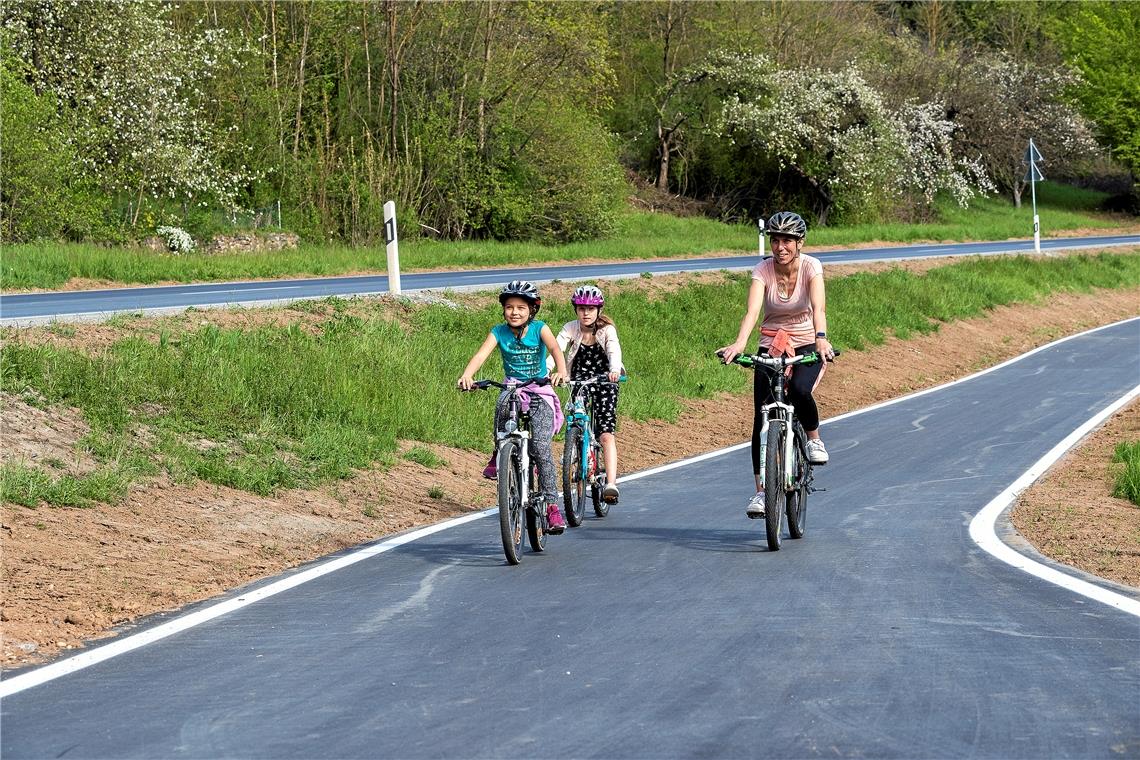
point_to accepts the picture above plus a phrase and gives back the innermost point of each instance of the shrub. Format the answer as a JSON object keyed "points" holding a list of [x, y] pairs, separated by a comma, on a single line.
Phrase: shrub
{"points": [[177, 240]]}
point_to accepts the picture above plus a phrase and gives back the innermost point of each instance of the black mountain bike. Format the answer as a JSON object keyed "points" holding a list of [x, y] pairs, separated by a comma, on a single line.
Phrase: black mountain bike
{"points": [[786, 475], [520, 496]]}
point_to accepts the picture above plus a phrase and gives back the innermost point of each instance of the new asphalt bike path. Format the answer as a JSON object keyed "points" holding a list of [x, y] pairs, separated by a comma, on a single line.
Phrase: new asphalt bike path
{"points": [[667, 629]]}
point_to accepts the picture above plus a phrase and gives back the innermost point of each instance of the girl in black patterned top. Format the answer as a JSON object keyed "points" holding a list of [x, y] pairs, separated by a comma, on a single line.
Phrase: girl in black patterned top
{"points": [[591, 346]]}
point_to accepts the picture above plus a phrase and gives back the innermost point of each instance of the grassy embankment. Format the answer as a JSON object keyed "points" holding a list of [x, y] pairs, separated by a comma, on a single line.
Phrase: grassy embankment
{"points": [[281, 407], [642, 236]]}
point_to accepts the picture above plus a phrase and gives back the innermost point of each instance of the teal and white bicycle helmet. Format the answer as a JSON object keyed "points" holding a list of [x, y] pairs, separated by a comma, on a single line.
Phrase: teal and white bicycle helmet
{"points": [[788, 224]]}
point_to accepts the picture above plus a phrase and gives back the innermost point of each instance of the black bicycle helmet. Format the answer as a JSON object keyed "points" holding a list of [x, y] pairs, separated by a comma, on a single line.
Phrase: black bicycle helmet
{"points": [[523, 289], [787, 223]]}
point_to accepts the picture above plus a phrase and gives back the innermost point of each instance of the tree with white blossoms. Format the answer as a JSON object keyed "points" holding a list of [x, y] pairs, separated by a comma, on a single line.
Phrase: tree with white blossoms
{"points": [[834, 132], [933, 164], [132, 88], [1001, 103]]}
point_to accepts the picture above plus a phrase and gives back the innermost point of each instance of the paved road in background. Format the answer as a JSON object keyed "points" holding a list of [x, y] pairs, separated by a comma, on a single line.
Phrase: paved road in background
{"points": [[668, 629], [33, 308]]}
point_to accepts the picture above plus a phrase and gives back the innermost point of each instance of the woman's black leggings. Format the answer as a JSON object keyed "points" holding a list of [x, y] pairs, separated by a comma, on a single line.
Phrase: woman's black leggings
{"points": [[799, 388]]}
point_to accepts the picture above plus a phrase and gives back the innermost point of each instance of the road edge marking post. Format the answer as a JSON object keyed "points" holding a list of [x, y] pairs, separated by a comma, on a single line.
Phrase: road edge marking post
{"points": [[1032, 156], [393, 246]]}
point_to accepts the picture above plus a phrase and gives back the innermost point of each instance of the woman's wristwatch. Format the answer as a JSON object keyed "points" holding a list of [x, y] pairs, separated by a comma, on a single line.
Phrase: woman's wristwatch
{"points": [[821, 335]]}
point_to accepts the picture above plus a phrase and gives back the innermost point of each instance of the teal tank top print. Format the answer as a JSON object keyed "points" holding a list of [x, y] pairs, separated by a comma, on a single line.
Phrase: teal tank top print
{"points": [[523, 358]]}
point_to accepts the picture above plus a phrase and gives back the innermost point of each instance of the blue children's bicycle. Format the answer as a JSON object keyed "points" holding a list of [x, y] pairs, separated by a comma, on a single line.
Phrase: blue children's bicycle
{"points": [[583, 465]]}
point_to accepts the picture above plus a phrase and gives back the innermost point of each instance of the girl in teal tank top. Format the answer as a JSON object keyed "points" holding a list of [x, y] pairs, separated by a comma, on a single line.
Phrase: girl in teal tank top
{"points": [[524, 343]]}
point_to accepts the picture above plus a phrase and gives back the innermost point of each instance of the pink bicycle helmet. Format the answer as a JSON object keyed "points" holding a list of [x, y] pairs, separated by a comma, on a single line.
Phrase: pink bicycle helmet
{"points": [[587, 295]]}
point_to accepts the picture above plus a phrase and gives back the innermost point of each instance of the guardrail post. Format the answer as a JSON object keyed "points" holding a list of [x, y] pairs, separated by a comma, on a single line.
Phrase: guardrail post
{"points": [[390, 240]]}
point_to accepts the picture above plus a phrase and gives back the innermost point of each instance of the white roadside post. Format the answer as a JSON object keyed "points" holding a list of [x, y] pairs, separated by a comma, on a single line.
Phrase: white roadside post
{"points": [[1033, 176], [760, 224], [393, 248]]}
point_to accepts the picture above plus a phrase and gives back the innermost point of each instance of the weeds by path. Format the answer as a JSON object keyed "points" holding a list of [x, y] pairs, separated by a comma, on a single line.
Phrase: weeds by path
{"points": [[282, 406]]}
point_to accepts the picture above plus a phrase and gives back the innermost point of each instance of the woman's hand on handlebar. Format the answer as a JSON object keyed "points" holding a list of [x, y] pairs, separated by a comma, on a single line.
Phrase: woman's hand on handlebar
{"points": [[730, 352], [824, 349]]}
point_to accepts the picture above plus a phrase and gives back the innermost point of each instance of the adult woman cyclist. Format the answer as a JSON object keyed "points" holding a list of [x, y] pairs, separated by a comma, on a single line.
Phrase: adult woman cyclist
{"points": [[788, 289]]}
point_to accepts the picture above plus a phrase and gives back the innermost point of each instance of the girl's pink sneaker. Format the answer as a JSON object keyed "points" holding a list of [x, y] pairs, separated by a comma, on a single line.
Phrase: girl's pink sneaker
{"points": [[491, 471], [555, 522]]}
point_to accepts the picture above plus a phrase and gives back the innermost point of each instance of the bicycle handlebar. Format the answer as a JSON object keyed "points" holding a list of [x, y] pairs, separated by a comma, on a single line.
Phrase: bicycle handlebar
{"points": [[602, 379], [483, 385], [777, 362]]}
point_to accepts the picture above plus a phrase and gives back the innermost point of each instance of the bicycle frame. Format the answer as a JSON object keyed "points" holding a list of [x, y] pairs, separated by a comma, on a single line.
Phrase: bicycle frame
{"points": [[776, 367], [581, 413], [516, 427]]}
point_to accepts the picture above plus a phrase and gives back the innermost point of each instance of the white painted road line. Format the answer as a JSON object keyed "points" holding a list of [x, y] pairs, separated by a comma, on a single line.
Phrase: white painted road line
{"points": [[984, 535]]}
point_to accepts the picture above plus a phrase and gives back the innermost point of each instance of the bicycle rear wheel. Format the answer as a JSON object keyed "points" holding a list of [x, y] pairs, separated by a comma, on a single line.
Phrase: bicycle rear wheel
{"points": [[774, 484], [797, 498], [573, 484], [535, 529], [510, 501]]}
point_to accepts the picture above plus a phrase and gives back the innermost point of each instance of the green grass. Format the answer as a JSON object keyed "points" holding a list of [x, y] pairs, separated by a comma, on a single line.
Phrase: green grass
{"points": [[641, 236], [282, 407], [29, 486], [424, 456], [1127, 484]]}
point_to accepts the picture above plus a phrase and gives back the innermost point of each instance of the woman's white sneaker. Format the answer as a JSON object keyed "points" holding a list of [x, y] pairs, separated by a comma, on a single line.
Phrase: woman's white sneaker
{"points": [[755, 509], [816, 452]]}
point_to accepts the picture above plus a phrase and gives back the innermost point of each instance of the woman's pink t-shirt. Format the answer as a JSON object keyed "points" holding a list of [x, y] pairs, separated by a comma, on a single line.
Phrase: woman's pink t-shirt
{"points": [[792, 314]]}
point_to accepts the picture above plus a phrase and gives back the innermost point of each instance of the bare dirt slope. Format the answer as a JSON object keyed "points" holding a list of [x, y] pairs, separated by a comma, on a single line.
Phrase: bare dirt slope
{"points": [[74, 574]]}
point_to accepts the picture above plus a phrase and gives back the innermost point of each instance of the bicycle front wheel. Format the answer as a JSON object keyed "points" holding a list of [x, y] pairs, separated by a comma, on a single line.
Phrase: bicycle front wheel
{"points": [[510, 501], [535, 522], [573, 483], [797, 498], [774, 484]]}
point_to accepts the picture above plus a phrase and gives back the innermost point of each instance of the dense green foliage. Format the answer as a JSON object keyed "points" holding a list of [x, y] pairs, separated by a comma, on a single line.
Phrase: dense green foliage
{"points": [[1102, 40], [278, 407], [518, 120]]}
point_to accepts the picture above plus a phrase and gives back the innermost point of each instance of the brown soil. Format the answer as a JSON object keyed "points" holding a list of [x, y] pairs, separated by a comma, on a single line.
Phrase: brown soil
{"points": [[1071, 514], [72, 574]]}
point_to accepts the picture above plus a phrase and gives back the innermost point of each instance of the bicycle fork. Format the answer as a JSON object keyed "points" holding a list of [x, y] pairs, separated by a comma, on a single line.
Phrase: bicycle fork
{"points": [[577, 417], [786, 415], [523, 439]]}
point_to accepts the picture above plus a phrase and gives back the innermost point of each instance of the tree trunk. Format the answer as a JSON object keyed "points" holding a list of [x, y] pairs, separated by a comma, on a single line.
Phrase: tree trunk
{"points": [[663, 141], [481, 123], [367, 62], [824, 210], [393, 77], [1016, 195], [301, 87]]}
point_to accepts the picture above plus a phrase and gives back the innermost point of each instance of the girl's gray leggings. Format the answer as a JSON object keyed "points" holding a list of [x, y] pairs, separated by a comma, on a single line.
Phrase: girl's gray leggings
{"points": [[541, 433]]}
